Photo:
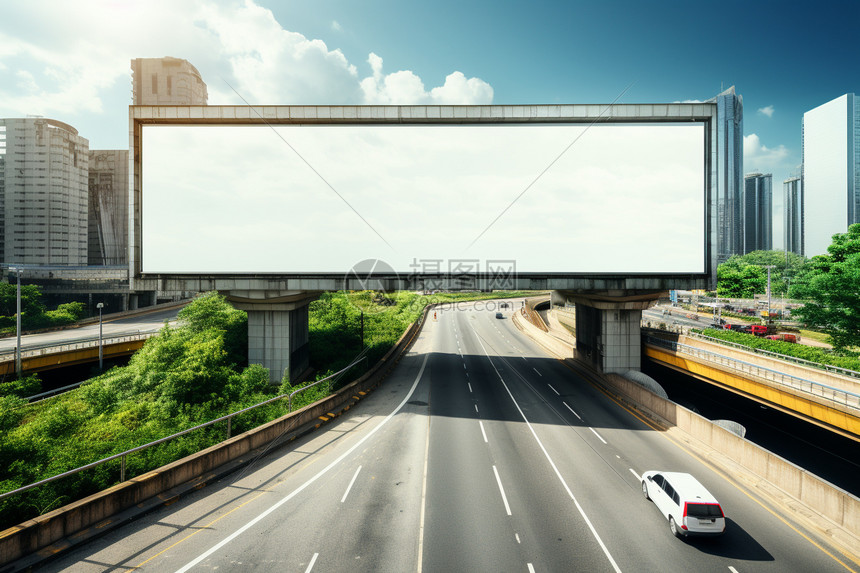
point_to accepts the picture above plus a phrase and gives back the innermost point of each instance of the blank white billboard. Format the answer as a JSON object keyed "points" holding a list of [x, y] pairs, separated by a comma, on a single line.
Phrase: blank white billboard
{"points": [[313, 199]]}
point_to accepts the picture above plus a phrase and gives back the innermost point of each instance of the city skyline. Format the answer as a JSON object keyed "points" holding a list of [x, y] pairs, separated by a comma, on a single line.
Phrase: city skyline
{"points": [[71, 63]]}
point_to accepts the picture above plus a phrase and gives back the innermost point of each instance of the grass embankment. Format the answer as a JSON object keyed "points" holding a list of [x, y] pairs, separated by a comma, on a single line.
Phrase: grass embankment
{"points": [[850, 361], [180, 378]]}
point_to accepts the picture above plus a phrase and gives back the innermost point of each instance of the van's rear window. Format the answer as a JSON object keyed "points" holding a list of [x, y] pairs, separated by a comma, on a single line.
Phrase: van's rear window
{"points": [[704, 510]]}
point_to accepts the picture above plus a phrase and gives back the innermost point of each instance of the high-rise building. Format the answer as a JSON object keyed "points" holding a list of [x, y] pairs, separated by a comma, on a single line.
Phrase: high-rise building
{"points": [[729, 169], [108, 207], [43, 193], [758, 212], [831, 171], [793, 215], [166, 81]]}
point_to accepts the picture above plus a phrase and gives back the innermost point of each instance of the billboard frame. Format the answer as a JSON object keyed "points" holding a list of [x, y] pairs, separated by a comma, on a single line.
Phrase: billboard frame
{"points": [[581, 114]]}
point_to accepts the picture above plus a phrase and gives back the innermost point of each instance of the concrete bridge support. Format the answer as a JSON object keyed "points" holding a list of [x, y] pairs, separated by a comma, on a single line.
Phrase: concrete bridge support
{"points": [[277, 329], [608, 332]]}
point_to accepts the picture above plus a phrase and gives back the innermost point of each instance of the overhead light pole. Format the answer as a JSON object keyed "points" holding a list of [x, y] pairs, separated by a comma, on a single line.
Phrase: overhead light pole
{"points": [[768, 267], [18, 272], [100, 306]]}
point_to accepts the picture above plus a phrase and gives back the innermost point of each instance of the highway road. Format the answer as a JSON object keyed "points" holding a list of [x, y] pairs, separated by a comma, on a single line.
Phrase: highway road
{"points": [[149, 322], [478, 453]]}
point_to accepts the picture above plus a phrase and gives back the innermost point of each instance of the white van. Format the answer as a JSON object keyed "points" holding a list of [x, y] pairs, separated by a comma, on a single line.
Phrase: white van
{"points": [[689, 507]]}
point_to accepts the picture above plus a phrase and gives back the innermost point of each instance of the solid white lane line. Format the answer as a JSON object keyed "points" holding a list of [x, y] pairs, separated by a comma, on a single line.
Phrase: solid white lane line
{"points": [[553, 389], [598, 435], [531, 568], [483, 433], [638, 477], [311, 564], [349, 487], [423, 500], [554, 467], [470, 387], [572, 410], [501, 489], [302, 487], [538, 373]]}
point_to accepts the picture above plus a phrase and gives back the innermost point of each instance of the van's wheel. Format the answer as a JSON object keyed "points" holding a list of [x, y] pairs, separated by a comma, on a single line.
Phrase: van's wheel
{"points": [[645, 491], [673, 527]]}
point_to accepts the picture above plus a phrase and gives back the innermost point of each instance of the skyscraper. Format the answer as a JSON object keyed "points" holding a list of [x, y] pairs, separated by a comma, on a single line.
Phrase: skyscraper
{"points": [[43, 193], [758, 212], [108, 207], [793, 212], [831, 171], [166, 81], [729, 175]]}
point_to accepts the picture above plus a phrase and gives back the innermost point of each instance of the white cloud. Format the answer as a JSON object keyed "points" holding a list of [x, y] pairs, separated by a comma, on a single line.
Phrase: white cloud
{"points": [[404, 87], [63, 59], [759, 157], [335, 25], [768, 111]]}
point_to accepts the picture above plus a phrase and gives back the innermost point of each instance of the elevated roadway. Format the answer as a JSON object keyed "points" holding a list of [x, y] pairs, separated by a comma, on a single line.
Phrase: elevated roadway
{"points": [[122, 335], [818, 396], [480, 452]]}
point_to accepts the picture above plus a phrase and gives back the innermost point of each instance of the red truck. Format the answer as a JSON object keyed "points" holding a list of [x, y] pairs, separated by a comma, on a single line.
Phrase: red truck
{"points": [[784, 336], [756, 329]]}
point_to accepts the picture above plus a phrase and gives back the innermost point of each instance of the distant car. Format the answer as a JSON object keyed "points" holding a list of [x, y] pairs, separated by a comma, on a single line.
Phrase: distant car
{"points": [[689, 507], [500, 315]]}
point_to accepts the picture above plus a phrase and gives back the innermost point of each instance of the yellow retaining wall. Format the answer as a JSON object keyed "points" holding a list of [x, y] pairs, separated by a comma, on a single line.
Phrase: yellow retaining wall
{"points": [[788, 398]]}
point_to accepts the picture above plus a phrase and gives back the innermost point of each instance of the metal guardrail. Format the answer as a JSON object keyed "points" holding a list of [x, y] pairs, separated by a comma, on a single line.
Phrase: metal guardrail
{"points": [[79, 344], [837, 395], [776, 355], [122, 455]]}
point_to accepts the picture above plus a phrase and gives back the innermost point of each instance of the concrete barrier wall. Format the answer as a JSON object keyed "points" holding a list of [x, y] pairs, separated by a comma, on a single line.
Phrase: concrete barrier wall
{"points": [[557, 329], [835, 504], [549, 342], [805, 372], [36, 534]]}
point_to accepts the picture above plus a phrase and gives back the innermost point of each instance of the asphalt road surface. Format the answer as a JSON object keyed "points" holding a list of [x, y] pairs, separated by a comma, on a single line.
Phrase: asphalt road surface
{"points": [[478, 453], [149, 322]]}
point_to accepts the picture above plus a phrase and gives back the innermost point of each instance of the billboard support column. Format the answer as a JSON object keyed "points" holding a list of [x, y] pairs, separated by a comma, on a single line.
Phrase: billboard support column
{"points": [[277, 330], [608, 332]]}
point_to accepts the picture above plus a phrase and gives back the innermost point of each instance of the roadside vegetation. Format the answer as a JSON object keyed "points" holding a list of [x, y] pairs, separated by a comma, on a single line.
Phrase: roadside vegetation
{"points": [[182, 377], [34, 314], [846, 359], [828, 285]]}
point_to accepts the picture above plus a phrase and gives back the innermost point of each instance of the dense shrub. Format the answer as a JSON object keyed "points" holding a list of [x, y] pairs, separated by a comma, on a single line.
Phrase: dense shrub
{"points": [[819, 355]]}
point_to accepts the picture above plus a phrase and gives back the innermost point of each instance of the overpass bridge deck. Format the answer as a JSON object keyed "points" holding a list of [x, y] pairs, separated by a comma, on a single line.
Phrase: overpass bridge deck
{"points": [[820, 397]]}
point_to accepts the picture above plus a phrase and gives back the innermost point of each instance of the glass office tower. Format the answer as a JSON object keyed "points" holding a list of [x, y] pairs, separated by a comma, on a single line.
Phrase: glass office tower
{"points": [[793, 215], [758, 212], [729, 171]]}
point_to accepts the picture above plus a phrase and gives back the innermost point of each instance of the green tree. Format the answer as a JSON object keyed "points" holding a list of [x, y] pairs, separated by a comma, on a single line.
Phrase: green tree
{"points": [[31, 299], [737, 279], [831, 286]]}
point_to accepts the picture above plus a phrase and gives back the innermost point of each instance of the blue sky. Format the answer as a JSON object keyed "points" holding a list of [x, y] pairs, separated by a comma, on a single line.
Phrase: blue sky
{"points": [[70, 60]]}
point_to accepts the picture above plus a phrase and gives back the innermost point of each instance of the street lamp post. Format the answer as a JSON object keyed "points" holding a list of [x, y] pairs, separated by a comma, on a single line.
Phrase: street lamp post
{"points": [[18, 272], [100, 306], [768, 267]]}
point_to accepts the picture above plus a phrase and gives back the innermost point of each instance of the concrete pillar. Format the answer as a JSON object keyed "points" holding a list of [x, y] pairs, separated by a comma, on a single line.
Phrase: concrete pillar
{"points": [[608, 334], [277, 330]]}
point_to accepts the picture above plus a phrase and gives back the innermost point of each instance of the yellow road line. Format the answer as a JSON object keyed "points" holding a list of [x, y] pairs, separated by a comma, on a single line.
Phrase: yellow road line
{"points": [[204, 528]]}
